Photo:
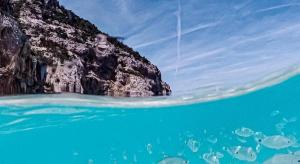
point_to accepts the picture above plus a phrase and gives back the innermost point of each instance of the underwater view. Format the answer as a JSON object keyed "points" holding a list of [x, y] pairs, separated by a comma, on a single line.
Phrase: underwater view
{"points": [[149, 82]]}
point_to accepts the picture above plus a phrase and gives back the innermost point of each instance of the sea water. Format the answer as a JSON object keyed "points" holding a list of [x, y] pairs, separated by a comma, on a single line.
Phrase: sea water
{"points": [[259, 127]]}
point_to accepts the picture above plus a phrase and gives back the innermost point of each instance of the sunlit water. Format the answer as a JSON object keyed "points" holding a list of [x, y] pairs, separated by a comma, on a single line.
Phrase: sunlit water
{"points": [[262, 126]]}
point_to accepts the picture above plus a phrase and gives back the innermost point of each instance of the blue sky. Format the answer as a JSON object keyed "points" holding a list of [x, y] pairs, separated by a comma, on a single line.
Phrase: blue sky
{"points": [[223, 44]]}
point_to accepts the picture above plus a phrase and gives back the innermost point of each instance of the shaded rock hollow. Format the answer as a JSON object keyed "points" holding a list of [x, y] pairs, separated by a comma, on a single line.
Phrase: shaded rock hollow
{"points": [[45, 48]]}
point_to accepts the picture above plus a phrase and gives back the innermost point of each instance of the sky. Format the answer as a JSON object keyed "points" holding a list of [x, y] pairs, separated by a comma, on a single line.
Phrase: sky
{"points": [[204, 44]]}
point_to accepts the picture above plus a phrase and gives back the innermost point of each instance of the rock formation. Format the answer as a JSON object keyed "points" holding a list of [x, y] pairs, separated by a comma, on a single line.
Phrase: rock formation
{"points": [[45, 48]]}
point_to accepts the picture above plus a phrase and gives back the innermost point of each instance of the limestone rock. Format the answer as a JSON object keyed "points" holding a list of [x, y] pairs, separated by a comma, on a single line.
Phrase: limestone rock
{"points": [[45, 48]]}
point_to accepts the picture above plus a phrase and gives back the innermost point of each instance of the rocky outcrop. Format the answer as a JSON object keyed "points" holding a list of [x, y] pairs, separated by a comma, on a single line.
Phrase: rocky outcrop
{"points": [[45, 48], [15, 60]]}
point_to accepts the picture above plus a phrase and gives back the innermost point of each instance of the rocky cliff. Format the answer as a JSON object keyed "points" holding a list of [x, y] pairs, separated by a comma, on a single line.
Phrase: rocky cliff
{"points": [[45, 48]]}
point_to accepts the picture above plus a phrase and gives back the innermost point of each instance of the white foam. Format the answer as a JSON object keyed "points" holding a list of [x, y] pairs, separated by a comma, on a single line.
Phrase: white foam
{"points": [[54, 110]]}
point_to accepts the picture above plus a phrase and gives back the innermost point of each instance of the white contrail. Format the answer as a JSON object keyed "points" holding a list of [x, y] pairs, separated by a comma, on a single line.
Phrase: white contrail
{"points": [[278, 7], [183, 32], [178, 36]]}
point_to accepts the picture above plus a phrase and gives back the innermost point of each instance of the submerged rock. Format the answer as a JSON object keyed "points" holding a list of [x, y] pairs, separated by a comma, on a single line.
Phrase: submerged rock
{"points": [[45, 48], [242, 153], [173, 160]]}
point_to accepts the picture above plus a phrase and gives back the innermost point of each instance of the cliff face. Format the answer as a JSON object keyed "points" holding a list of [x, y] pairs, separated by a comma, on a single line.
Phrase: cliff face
{"points": [[45, 48]]}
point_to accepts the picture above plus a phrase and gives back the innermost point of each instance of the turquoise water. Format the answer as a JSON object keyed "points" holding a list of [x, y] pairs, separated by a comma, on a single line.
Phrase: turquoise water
{"points": [[250, 128]]}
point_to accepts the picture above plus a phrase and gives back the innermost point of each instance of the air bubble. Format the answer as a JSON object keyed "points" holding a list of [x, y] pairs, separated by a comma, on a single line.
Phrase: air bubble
{"points": [[258, 148], [149, 148], [212, 139], [135, 158], [125, 157], [193, 145], [241, 140], [280, 126], [90, 161], [292, 119], [275, 113], [244, 132]]}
